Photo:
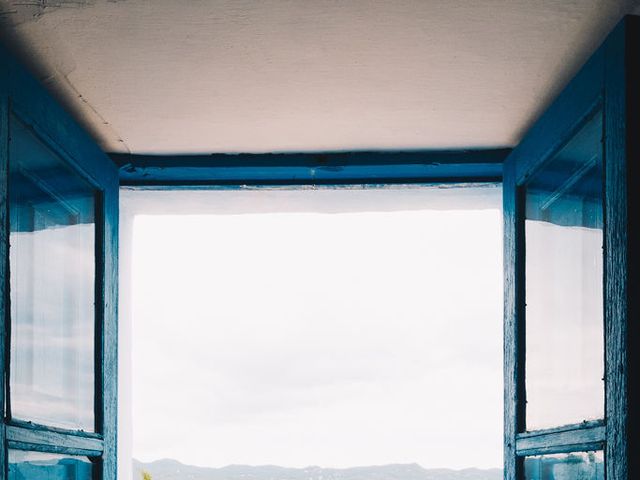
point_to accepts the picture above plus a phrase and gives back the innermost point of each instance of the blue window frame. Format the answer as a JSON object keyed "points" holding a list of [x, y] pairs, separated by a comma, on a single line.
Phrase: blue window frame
{"points": [[339, 168], [62, 193], [608, 82], [587, 132]]}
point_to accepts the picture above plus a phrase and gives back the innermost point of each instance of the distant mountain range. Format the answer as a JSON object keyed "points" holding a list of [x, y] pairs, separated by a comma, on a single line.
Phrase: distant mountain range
{"points": [[173, 470]]}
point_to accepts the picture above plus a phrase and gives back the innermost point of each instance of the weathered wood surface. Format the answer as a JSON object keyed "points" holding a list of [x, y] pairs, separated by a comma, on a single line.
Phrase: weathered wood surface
{"points": [[109, 262], [512, 333], [311, 168], [50, 440], [610, 81], [4, 248], [576, 439]]}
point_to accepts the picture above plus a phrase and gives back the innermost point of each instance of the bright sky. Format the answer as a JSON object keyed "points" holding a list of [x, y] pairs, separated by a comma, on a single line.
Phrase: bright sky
{"points": [[300, 336]]}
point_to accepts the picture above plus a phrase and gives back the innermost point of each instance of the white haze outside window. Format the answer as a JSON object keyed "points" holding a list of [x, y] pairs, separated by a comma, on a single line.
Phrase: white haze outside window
{"points": [[330, 327]]}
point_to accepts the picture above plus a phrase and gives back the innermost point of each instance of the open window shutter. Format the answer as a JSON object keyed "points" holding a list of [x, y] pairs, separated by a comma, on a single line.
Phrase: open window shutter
{"points": [[571, 276], [59, 215]]}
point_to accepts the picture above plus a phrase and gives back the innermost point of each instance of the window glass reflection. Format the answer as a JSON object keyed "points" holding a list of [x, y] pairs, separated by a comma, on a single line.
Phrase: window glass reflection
{"points": [[47, 466], [571, 466], [52, 252], [564, 279]]}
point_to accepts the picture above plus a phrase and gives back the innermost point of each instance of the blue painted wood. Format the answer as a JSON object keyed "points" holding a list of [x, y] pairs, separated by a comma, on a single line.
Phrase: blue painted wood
{"points": [[50, 439], [513, 345], [109, 330], [311, 168], [587, 438], [21, 95], [622, 277], [610, 81], [4, 251]]}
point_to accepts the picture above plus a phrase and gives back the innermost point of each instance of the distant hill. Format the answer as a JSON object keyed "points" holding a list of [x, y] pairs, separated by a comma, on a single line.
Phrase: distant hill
{"points": [[173, 470]]}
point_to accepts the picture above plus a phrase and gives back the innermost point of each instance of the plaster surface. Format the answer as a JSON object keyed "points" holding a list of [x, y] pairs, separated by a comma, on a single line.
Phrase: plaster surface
{"points": [[167, 76]]}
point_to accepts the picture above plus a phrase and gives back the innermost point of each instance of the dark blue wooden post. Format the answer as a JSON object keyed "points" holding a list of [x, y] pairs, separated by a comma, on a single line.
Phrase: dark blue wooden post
{"points": [[4, 248]]}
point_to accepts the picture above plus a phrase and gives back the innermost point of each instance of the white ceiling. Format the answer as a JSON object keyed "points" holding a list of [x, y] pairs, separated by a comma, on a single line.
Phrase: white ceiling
{"points": [[171, 76]]}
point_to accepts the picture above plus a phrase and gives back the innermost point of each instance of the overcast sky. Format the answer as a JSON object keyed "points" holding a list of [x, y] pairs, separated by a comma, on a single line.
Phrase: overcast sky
{"points": [[310, 337]]}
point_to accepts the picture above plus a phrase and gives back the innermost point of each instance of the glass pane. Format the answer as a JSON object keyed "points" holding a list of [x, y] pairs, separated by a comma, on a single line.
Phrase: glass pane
{"points": [[571, 466], [52, 262], [47, 466], [564, 278]]}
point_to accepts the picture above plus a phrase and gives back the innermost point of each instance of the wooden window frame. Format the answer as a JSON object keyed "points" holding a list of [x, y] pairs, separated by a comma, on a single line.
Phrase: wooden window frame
{"points": [[22, 97], [299, 169], [609, 82]]}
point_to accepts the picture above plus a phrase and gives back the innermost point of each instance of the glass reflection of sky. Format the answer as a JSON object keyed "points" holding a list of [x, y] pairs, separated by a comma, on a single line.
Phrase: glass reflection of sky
{"points": [[52, 265], [564, 278]]}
